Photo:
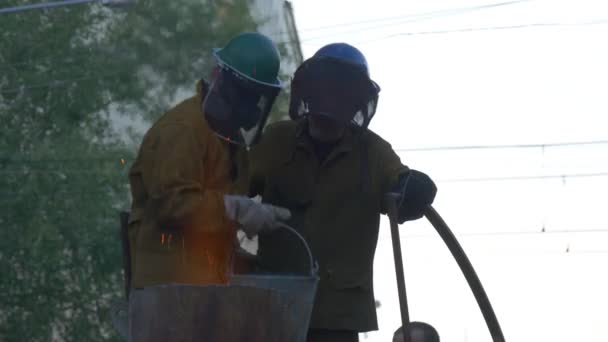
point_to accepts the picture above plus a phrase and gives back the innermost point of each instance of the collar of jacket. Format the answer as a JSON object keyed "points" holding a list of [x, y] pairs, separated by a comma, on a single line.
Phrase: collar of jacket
{"points": [[304, 141]]}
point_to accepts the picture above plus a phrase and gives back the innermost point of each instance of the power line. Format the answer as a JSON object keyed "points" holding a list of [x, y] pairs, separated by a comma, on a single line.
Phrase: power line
{"points": [[516, 178], [597, 251], [69, 59], [377, 39], [415, 18], [465, 30], [51, 4], [536, 233], [59, 192], [64, 172], [413, 149], [490, 28], [90, 50], [43, 5], [121, 160], [518, 252], [510, 146], [430, 15], [64, 196], [404, 18], [59, 83], [515, 233], [401, 19]]}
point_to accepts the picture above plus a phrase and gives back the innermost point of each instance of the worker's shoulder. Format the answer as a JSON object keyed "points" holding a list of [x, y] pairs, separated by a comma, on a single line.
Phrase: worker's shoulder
{"points": [[188, 112], [376, 143], [186, 117]]}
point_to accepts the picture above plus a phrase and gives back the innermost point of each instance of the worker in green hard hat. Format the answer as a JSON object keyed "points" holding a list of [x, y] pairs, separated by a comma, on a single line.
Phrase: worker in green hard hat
{"points": [[183, 219]]}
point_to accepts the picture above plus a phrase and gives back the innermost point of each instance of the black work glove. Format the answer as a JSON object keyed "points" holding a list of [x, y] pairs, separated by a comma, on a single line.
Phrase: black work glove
{"points": [[417, 191]]}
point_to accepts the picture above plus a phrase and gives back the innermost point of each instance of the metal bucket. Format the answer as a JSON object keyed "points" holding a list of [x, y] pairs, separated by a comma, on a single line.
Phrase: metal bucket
{"points": [[250, 308]]}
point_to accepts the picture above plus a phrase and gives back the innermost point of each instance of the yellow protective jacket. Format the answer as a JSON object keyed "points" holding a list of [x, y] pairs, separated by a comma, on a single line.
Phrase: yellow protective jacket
{"points": [[178, 230]]}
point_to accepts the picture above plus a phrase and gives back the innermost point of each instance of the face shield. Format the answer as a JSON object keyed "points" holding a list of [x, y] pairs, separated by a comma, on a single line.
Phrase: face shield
{"points": [[334, 89], [237, 108], [364, 115]]}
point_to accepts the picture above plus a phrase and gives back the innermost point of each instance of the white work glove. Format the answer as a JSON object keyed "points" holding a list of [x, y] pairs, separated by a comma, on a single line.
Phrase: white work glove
{"points": [[253, 217]]}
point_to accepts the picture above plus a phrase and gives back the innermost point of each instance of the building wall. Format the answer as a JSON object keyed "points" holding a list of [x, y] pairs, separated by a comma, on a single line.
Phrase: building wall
{"points": [[275, 19]]}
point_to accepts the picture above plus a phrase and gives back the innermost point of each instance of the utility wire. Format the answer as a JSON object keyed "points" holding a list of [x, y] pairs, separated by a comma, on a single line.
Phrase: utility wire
{"points": [[431, 15], [416, 18], [64, 60], [122, 163], [463, 30], [404, 18], [117, 160], [514, 233], [564, 176], [484, 234], [603, 21], [123, 160], [565, 251], [65, 193], [517, 178], [490, 28], [43, 5], [64, 172], [597, 251], [50, 4], [460, 30], [60, 83], [510, 146]]}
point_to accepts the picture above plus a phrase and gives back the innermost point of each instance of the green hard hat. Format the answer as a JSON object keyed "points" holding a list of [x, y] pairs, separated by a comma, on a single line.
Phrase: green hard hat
{"points": [[253, 56]]}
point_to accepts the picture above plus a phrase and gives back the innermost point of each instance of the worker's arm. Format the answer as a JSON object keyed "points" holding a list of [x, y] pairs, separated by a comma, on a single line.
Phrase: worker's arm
{"points": [[179, 199], [256, 177], [416, 191], [270, 152], [172, 170]]}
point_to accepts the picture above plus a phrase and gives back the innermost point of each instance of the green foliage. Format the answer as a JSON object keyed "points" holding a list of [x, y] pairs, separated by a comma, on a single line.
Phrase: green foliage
{"points": [[64, 73]]}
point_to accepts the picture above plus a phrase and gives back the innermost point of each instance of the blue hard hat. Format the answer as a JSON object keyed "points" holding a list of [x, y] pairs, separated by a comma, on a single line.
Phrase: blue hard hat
{"points": [[335, 81], [344, 52]]}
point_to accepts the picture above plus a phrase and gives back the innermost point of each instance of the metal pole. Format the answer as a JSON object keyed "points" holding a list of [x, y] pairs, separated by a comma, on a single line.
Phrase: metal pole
{"points": [[391, 205]]}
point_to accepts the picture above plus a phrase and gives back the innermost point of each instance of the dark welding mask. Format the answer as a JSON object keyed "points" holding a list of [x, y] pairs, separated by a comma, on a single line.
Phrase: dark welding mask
{"points": [[335, 83]]}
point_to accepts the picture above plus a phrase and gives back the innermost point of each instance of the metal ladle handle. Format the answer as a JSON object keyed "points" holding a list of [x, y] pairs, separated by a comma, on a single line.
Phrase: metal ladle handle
{"points": [[314, 267]]}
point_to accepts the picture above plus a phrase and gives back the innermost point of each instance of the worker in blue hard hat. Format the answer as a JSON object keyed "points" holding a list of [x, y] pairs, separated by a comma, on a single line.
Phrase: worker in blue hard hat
{"points": [[332, 173]]}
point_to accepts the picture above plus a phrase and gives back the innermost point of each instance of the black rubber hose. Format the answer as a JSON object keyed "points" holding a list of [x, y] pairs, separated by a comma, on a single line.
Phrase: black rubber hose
{"points": [[469, 273]]}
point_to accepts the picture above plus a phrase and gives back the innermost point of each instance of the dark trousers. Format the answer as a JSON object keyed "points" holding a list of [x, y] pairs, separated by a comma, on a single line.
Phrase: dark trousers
{"points": [[323, 335]]}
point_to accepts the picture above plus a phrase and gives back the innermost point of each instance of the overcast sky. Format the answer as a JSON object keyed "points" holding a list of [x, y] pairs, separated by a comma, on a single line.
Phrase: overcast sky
{"points": [[530, 72]]}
